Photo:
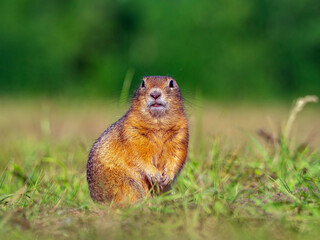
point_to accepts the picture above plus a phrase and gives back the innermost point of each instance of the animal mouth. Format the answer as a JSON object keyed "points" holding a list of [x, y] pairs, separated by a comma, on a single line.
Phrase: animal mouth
{"points": [[157, 108], [157, 105]]}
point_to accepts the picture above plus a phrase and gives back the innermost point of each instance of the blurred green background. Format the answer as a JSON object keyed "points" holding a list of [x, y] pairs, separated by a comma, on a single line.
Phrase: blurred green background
{"points": [[229, 50]]}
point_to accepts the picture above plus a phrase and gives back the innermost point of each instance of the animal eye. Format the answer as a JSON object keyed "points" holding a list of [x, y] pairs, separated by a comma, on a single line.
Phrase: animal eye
{"points": [[171, 84], [142, 84]]}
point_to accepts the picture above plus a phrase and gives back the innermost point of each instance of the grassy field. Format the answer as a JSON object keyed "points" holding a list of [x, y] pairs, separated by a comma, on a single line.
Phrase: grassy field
{"points": [[249, 175]]}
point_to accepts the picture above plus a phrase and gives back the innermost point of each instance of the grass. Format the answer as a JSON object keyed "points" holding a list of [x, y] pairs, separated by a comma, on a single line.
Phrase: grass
{"points": [[262, 188]]}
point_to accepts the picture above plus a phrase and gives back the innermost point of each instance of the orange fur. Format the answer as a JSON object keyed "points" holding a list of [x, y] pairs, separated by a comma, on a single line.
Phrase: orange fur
{"points": [[145, 146]]}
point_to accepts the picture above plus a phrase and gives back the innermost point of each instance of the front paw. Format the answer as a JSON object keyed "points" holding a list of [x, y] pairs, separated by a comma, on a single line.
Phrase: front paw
{"points": [[154, 178], [165, 179]]}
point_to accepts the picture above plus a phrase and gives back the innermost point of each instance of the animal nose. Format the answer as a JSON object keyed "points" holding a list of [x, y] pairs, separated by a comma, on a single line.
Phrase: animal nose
{"points": [[155, 94]]}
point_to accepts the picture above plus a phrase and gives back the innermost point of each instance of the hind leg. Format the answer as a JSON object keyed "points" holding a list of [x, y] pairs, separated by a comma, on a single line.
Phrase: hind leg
{"points": [[130, 191], [117, 185]]}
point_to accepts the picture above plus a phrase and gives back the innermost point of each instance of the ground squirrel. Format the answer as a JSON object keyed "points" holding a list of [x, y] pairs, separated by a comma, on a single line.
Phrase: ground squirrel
{"points": [[147, 147]]}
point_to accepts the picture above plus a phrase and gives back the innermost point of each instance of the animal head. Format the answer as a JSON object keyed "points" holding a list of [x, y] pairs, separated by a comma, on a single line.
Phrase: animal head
{"points": [[158, 96]]}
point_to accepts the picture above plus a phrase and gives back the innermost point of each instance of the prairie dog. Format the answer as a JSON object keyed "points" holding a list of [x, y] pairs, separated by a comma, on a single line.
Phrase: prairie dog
{"points": [[148, 146]]}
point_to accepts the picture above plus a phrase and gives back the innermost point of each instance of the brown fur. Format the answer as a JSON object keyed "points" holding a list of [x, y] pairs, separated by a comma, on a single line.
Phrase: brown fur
{"points": [[142, 149]]}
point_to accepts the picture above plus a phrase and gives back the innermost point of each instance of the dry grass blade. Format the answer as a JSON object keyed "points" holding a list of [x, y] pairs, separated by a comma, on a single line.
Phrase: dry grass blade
{"points": [[299, 105]]}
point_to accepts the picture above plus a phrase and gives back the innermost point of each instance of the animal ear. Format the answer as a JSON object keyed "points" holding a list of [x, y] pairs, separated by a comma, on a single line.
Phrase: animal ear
{"points": [[171, 84], [142, 84]]}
